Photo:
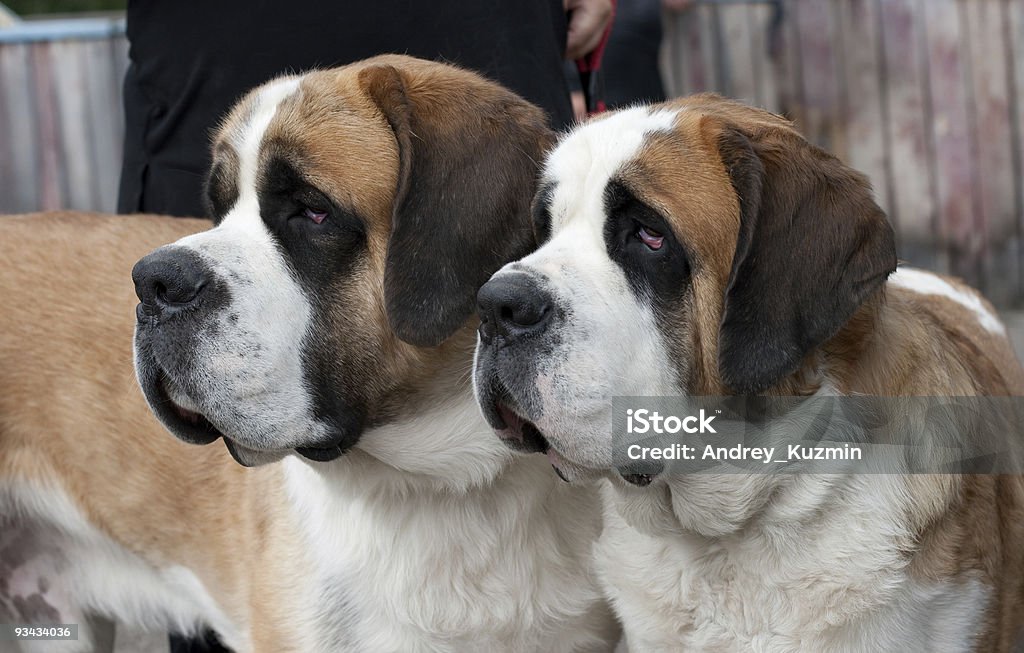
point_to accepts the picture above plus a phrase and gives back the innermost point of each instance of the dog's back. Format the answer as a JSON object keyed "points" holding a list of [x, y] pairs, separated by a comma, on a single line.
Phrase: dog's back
{"points": [[89, 519]]}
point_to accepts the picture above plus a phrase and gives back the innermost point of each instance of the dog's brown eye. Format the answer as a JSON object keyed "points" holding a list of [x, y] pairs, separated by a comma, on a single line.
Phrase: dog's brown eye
{"points": [[314, 215], [651, 238]]}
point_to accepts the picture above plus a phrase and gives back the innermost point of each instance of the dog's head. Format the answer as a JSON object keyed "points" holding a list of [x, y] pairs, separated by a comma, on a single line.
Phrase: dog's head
{"points": [[698, 247], [357, 211]]}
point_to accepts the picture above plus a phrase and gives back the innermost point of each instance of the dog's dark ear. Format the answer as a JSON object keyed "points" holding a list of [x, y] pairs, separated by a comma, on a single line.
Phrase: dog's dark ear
{"points": [[813, 245], [469, 152]]}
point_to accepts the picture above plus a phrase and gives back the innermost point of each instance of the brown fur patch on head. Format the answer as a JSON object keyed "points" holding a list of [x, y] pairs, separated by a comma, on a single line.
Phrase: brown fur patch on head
{"points": [[748, 196], [438, 166]]}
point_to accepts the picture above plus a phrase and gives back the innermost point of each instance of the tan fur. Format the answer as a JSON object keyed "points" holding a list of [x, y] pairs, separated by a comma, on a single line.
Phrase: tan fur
{"points": [[926, 345], [72, 417]]}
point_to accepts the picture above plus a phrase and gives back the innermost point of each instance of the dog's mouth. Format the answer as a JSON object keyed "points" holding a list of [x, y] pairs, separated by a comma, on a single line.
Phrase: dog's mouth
{"points": [[517, 431], [522, 435], [191, 426], [187, 424]]}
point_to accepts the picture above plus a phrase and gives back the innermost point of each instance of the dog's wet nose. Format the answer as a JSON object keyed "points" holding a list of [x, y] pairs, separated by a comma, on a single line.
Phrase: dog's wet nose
{"points": [[512, 305], [168, 280]]}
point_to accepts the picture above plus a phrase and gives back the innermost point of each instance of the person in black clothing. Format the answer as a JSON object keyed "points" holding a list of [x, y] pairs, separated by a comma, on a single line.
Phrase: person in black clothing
{"points": [[190, 61]]}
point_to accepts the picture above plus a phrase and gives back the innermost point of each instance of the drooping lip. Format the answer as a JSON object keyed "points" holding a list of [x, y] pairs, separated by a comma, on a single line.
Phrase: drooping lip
{"points": [[517, 431], [194, 427], [188, 425], [521, 434]]}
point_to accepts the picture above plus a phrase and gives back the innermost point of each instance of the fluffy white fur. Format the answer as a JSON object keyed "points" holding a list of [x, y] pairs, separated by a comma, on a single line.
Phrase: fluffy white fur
{"points": [[410, 567], [819, 571], [927, 283]]}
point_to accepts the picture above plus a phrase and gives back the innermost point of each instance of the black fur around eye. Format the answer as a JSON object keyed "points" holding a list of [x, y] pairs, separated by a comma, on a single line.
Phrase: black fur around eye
{"points": [[639, 239]]}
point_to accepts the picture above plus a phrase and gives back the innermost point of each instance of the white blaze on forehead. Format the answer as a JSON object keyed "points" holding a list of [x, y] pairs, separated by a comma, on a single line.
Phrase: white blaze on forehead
{"points": [[588, 157], [926, 283], [247, 142]]}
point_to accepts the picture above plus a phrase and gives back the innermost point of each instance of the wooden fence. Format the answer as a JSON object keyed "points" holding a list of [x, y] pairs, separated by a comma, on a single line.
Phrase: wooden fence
{"points": [[922, 95], [61, 119]]}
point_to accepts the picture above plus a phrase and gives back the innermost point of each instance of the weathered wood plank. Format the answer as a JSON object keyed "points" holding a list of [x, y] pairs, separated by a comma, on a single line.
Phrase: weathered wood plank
{"points": [[19, 149], [1014, 55], [104, 102], [956, 192], [791, 87], [908, 131], [71, 86], [862, 95], [765, 57], [672, 53], [822, 119], [999, 251], [738, 56], [699, 55], [47, 124]]}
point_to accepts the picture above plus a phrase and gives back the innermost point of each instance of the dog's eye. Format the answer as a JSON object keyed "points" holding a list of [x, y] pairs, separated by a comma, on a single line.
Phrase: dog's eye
{"points": [[314, 215], [651, 238]]}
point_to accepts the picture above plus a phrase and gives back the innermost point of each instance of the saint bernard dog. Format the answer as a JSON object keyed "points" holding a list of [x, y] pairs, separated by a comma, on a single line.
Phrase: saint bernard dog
{"points": [[704, 248], [324, 324]]}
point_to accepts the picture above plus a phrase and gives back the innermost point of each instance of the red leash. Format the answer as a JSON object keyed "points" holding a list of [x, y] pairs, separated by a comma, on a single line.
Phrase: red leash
{"points": [[589, 68]]}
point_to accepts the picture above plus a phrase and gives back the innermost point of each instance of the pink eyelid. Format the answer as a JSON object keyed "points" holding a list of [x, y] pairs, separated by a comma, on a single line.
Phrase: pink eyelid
{"points": [[649, 238], [315, 216]]}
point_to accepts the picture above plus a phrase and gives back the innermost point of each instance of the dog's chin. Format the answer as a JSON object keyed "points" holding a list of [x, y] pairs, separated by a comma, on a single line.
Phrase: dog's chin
{"points": [[247, 457], [189, 425]]}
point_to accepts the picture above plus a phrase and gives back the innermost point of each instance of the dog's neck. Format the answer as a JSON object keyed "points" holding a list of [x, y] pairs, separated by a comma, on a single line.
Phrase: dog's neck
{"points": [[434, 501]]}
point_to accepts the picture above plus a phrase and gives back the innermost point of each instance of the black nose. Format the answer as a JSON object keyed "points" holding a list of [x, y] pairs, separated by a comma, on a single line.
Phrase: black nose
{"points": [[168, 280], [512, 305]]}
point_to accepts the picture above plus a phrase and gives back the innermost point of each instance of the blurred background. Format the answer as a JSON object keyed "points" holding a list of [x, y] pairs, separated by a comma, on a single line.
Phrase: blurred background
{"points": [[922, 95]]}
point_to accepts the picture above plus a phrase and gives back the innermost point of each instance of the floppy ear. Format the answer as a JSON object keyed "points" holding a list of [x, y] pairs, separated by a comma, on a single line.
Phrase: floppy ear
{"points": [[812, 246], [468, 155]]}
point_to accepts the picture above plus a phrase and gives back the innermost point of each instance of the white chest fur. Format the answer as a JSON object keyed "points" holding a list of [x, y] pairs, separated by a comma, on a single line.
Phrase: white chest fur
{"points": [[409, 566], [834, 581]]}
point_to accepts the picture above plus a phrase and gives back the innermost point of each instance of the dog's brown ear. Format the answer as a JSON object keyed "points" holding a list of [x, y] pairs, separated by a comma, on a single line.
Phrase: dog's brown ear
{"points": [[468, 155], [813, 245]]}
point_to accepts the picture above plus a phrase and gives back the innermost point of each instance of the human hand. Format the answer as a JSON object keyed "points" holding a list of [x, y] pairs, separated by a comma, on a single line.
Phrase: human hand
{"points": [[587, 22]]}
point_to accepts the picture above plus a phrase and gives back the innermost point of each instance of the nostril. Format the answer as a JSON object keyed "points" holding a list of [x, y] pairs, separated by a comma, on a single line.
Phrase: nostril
{"points": [[527, 314], [160, 292]]}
